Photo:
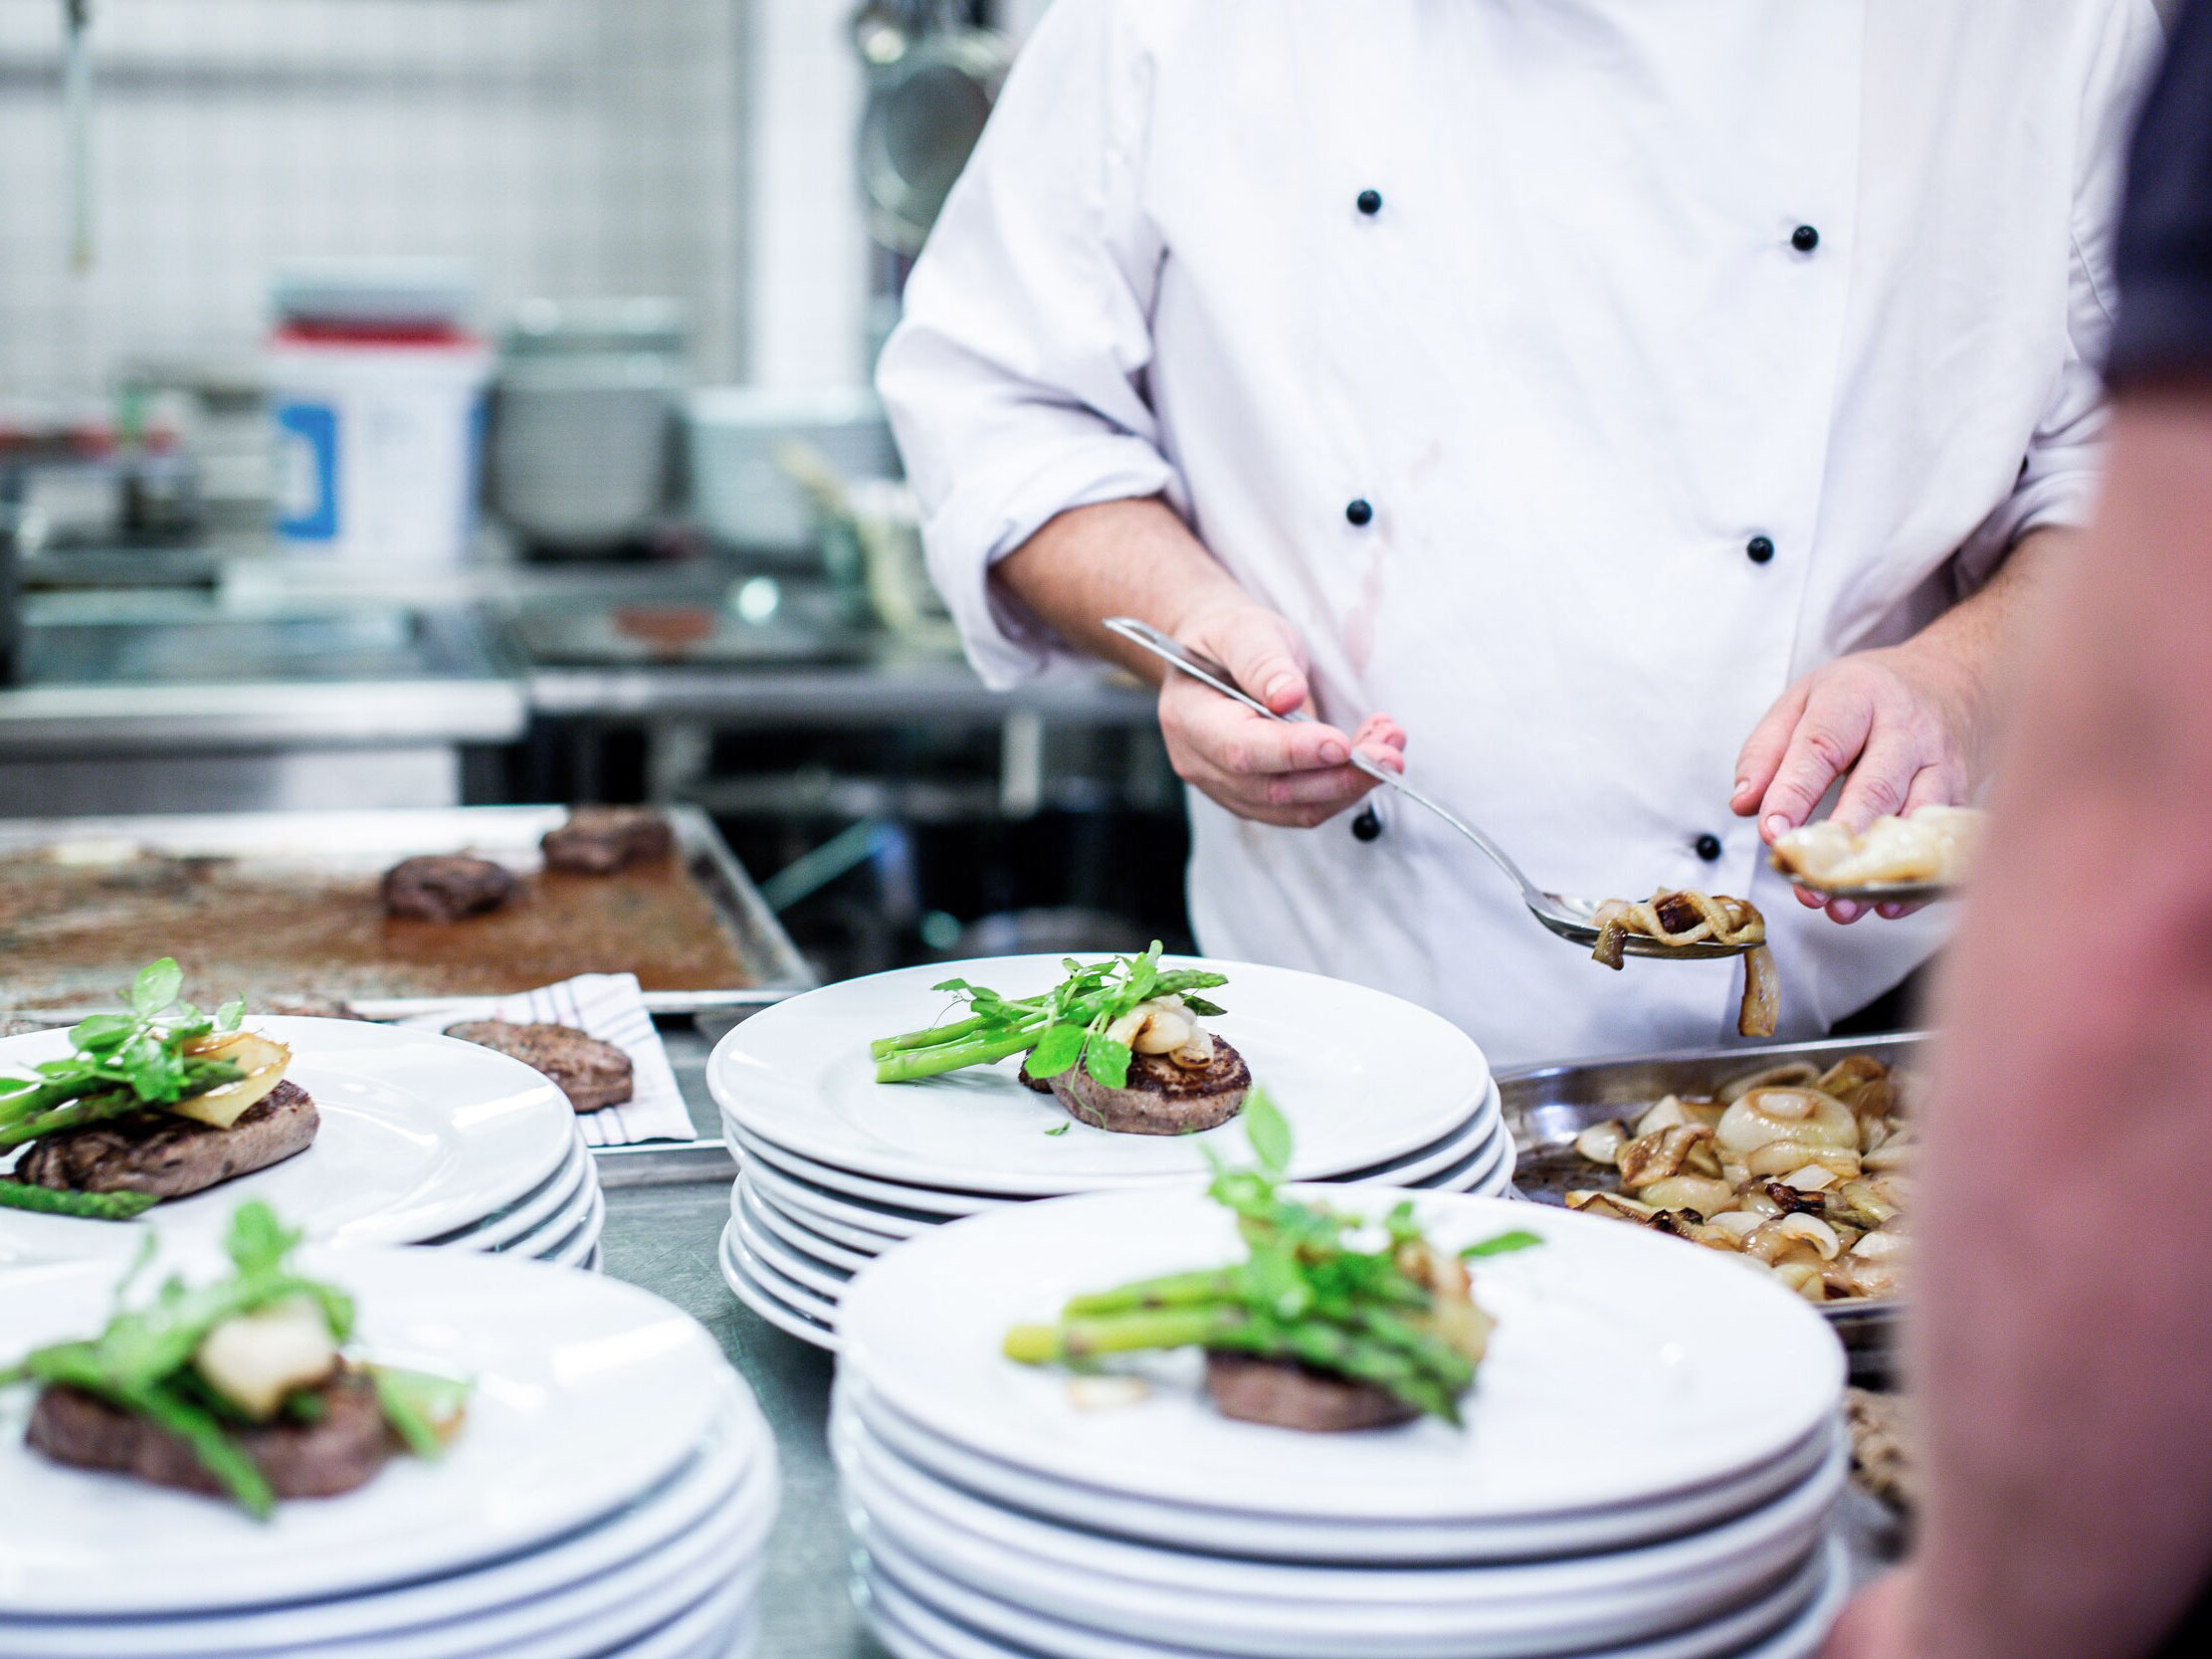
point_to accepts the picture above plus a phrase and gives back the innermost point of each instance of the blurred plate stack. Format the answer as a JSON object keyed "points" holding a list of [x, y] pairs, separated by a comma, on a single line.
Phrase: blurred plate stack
{"points": [[609, 1494], [423, 1139], [834, 1167], [1648, 1462]]}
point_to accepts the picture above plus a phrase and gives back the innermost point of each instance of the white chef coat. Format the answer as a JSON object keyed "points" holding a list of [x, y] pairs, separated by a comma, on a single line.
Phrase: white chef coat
{"points": [[1578, 360]]}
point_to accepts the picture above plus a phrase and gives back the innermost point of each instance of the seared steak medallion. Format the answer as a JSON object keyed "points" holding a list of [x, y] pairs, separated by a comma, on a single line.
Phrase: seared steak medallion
{"points": [[1285, 1394], [441, 887], [171, 1156], [339, 1451], [592, 1074], [599, 840], [1160, 1096]]}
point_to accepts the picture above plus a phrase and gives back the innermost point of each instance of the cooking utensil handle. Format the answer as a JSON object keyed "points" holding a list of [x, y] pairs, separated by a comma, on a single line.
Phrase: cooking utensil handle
{"points": [[1203, 668], [1196, 664]]}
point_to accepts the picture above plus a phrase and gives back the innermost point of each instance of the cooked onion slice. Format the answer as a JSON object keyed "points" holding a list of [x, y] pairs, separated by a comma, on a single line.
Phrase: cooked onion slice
{"points": [[1763, 995], [260, 1059]]}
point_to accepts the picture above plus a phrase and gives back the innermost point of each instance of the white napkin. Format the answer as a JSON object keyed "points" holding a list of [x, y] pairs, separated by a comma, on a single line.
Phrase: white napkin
{"points": [[607, 1007]]}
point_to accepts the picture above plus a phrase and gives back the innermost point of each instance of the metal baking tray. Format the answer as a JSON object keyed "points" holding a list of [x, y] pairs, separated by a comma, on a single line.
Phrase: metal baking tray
{"points": [[283, 904], [1546, 1107]]}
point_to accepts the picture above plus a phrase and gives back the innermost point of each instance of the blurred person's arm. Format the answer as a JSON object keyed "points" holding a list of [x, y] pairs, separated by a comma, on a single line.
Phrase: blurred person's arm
{"points": [[2062, 1319]]}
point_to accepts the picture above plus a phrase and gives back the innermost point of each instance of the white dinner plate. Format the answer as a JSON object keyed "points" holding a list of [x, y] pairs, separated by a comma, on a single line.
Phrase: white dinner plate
{"points": [[1416, 1167], [810, 1271], [1488, 1170], [1700, 1368], [587, 1392], [1804, 1607], [421, 1134], [564, 1190], [558, 1229], [1449, 1158], [882, 1220], [746, 1285], [735, 1471], [1277, 1610], [937, 1203], [1293, 1539], [796, 1232], [722, 1626], [571, 1250], [813, 1303], [1361, 1076]]}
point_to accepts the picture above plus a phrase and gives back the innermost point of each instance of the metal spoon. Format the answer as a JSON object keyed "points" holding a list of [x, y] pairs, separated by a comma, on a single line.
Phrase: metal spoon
{"points": [[1570, 917]]}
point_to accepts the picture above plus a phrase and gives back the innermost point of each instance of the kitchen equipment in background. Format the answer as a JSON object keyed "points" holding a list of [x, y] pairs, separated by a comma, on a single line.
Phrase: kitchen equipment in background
{"points": [[77, 479], [583, 418], [736, 439], [377, 392], [216, 409], [932, 82]]}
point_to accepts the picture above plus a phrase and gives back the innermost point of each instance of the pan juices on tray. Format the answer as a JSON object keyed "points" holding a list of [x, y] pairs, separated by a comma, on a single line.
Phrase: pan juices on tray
{"points": [[1117, 1044]]}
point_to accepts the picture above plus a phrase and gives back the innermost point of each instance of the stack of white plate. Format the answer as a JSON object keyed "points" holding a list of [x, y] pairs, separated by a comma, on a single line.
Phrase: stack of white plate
{"points": [[1647, 1470], [423, 1140], [834, 1167], [610, 1492]]}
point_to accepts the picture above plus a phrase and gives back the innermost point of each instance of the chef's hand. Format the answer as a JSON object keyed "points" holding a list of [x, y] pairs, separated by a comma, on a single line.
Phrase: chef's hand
{"points": [[1905, 723], [1293, 775]]}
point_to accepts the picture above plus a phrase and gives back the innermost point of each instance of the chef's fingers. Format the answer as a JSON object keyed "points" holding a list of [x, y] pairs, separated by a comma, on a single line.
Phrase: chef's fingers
{"points": [[1377, 732], [1762, 751], [1881, 778], [1336, 788], [1940, 784], [1828, 738], [1261, 653], [1932, 786], [1297, 800], [1234, 740]]}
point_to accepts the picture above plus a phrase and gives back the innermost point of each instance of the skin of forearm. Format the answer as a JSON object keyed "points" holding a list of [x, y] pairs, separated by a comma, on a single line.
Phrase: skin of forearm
{"points": [[2064, 1313], [1976, 642], [1118, 559]]}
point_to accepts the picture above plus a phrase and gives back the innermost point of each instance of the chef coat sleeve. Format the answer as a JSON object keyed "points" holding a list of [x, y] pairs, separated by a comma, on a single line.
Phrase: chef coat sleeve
{"points": [[1014, 383], [2058, 479], [2165, 234]]}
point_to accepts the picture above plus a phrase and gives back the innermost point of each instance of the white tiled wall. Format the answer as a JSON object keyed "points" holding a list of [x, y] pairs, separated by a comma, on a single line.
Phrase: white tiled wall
{"points": [[809, 289], [564, 147]]}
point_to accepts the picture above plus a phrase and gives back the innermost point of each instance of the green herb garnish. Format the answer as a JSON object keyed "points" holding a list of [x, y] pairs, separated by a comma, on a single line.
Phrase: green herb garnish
{"points": [[1064, 1027], [1398, 1316], [1503, 1244], [146, 1359], [120, 1063]]}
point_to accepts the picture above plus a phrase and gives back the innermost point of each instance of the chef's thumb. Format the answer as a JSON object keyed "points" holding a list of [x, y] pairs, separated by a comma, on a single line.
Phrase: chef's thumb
{"points": [[1259, 651]]}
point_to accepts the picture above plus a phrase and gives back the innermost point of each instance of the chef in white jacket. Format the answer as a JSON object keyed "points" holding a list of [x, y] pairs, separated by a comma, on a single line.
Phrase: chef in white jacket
{"points": [[1632, 416]]}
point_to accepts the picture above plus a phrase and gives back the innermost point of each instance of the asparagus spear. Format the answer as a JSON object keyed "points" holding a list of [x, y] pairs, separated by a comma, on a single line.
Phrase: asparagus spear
{"points": [[89, 1206], [1069, 1021], [1305, 1294]]}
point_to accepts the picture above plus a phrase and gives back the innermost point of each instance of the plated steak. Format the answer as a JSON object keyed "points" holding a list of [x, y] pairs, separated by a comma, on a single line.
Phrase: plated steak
{"points": [[171, 1156], [339, 1452], [1285, 1394], [446, 888], [592, 1074], [1160, 1096], [599, 840]]}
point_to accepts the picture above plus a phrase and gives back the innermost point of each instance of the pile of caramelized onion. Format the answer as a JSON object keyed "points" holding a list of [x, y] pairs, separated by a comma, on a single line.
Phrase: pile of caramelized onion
{"points": [[1805, 1172]]}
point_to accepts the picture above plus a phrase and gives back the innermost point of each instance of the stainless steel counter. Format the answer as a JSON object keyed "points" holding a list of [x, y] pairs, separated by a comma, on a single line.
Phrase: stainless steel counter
{"points": [[664, 1238]]}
